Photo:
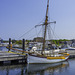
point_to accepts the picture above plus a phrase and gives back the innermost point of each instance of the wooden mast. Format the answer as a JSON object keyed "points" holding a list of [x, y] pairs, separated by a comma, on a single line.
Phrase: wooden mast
{"points": [[46, 23]]}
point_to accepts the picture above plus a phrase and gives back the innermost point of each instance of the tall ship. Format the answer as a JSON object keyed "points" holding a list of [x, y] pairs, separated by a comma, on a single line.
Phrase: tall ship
{"points": [[35, 57]]}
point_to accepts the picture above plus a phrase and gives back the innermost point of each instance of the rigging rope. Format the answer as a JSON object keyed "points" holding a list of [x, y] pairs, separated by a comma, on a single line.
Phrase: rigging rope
{"points": [[35, 34], [39, 31], [30, 29], [26, 33], [49, 32], [54, 33]]}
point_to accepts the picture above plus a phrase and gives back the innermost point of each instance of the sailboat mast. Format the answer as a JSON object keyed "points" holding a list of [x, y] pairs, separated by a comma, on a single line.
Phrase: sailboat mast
{"points": [[46, 23]]}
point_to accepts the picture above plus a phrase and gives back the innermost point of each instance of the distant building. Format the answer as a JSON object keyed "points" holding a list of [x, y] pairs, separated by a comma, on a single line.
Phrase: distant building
{"points": [[69, 42], [38, 39]]}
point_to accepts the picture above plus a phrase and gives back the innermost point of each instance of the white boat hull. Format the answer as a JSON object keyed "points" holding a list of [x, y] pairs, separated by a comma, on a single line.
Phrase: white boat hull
{"points": [[33, 59]]}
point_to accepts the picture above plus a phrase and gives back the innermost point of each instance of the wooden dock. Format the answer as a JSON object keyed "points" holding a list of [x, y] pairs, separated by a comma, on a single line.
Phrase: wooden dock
{"points": [[12, 57], [18, 56]]}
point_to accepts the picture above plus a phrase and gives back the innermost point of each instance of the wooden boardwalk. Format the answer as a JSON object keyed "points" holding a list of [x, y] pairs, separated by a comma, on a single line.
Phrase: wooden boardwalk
{"points": [[12, 57]]}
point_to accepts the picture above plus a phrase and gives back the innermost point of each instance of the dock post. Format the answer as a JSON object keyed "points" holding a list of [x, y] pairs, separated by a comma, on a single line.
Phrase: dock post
{"points": [[9, 44], [23, 45]]}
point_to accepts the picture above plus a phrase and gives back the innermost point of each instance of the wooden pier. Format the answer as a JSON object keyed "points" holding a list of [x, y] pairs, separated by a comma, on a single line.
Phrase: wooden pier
{"points": [[12, 57]]}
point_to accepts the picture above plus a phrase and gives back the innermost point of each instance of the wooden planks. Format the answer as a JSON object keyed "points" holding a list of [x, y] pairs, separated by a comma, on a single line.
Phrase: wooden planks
{"points": [[9, 56]]}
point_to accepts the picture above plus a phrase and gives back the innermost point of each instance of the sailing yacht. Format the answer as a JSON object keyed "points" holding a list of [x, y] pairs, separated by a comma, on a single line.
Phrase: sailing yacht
{"points": [[35, 57]]}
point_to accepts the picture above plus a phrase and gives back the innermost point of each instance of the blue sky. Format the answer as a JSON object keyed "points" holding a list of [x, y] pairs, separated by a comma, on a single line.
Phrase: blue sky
{"points": [[19, 16]]}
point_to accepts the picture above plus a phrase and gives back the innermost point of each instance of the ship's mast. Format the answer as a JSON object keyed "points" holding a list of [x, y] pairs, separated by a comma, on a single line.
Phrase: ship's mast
{"points": [[46, 23]]}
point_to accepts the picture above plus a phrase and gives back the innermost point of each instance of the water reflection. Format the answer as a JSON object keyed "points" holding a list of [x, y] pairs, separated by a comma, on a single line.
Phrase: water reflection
{"points": [[19, 69], [33, 69], [46, 69]]}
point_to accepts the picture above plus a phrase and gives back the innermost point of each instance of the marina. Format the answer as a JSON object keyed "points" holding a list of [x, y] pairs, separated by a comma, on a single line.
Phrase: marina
{"points": [[62, 68], [38, 50], [20, 56], [40, 57]]}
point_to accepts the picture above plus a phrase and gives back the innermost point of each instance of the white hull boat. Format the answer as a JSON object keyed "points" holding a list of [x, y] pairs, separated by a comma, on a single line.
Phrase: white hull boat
{"points": [[48, 57], [35, 59]]}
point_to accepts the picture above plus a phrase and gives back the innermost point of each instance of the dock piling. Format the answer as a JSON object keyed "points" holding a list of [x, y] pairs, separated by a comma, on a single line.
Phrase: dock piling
{"points": [[9, 44], [23, 45]]}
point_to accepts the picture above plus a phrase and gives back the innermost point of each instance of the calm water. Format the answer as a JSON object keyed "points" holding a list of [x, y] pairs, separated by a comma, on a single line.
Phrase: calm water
{"points": [[64, 68]]}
